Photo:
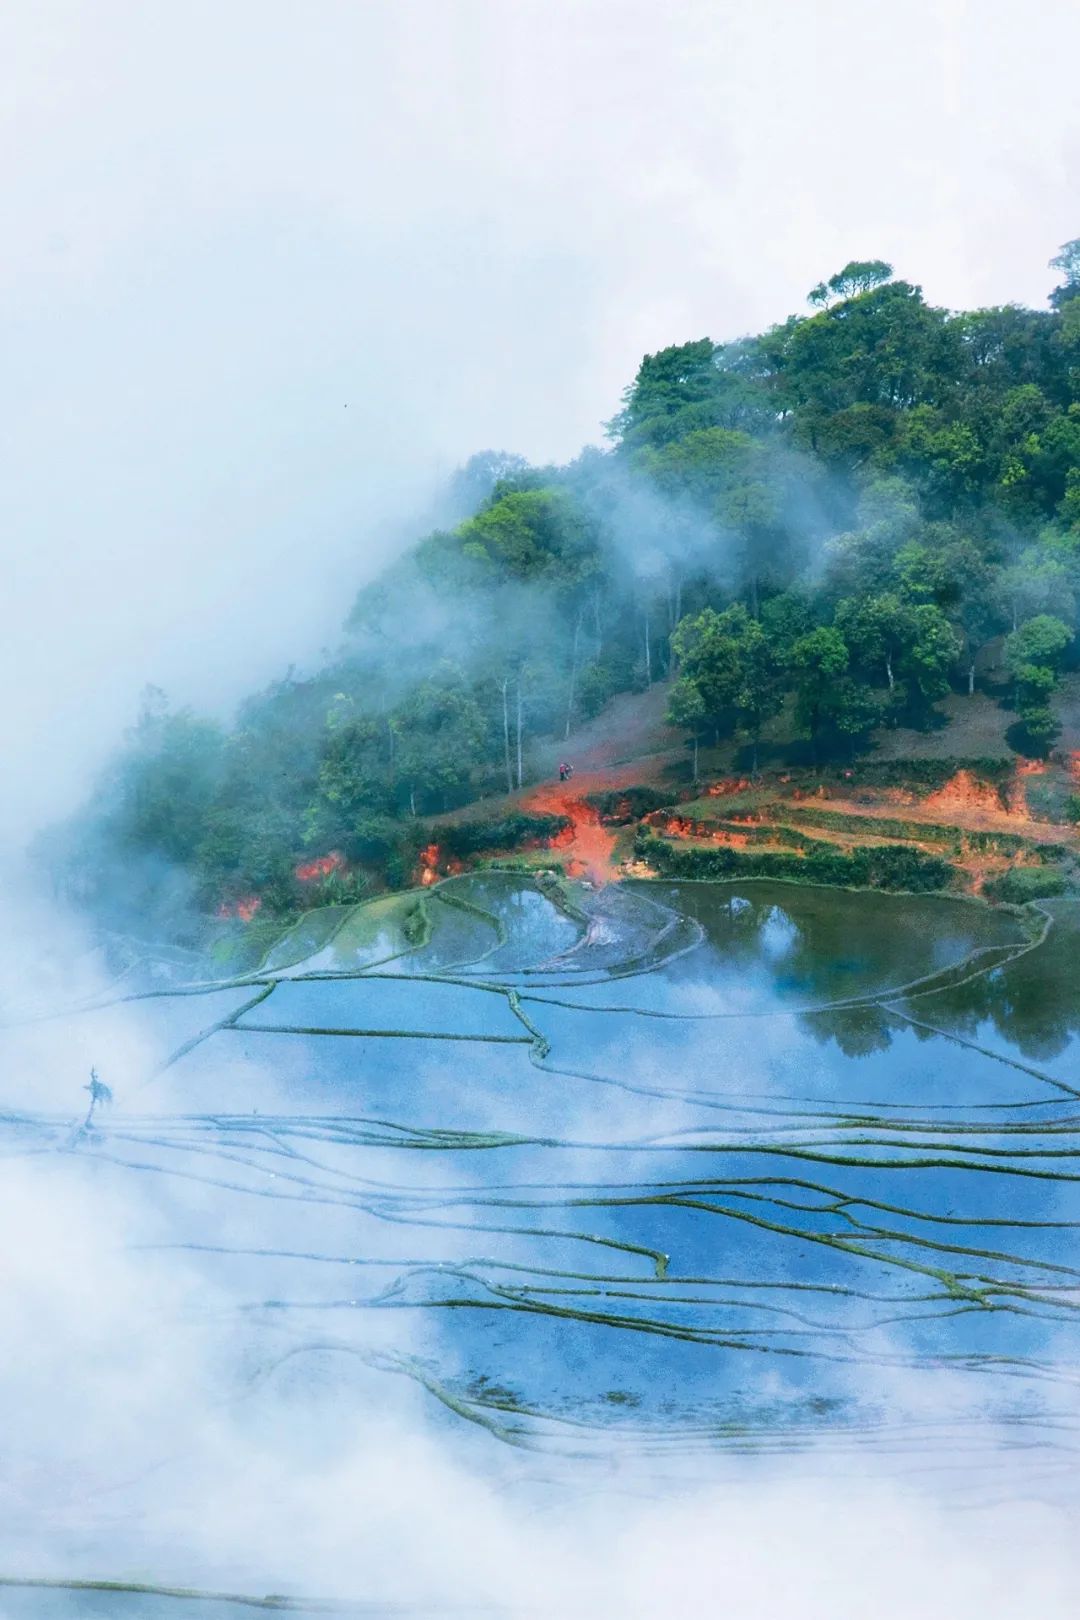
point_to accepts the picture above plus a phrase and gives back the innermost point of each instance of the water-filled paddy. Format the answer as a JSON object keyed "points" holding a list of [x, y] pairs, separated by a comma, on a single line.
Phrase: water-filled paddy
{"points": [[692, 1170]]}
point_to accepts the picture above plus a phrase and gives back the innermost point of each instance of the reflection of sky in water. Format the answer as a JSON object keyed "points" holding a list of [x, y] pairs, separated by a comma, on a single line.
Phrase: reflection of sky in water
{"points": [[690, 1226], [777, 934]]}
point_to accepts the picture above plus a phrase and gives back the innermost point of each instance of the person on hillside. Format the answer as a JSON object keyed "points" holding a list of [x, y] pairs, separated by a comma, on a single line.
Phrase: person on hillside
{"points": [[562, 773]]}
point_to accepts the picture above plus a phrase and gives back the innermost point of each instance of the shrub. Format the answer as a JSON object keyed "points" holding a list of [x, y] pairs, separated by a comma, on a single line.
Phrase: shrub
{"points": [[1026, 883], [465, 838], [373, 838], [620, 805], [878, 866], [1040, 730]]}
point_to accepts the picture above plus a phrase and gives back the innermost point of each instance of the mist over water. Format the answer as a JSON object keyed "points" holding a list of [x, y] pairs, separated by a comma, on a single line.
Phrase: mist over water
{"points": [[524, 1300]]}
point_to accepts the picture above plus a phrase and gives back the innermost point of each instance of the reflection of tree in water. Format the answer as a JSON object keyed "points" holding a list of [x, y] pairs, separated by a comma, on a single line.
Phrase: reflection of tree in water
{"points": [[858, 1031], [1032, 1003], [828, 945]]}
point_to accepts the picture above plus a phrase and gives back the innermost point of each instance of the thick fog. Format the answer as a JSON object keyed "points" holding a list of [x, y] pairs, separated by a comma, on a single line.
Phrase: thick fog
{"points": [[271, 273]]}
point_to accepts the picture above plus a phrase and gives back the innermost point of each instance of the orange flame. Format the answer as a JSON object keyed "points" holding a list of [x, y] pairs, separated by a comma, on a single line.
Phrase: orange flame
{"points": [[244, 908], [965, 793], [322, 867]]}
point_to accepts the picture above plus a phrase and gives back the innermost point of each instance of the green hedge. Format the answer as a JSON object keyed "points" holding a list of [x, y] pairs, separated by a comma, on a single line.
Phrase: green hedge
{"points": [[1025, 883], [878, 866], [923, 775], [464, 838]]}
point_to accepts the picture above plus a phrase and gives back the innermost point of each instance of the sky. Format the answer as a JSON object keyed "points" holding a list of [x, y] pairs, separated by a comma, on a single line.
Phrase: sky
{"points": [[273, 269]]}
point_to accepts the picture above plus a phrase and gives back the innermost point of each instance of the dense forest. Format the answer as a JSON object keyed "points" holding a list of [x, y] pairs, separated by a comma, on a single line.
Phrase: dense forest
{"points": [[832, 520]]}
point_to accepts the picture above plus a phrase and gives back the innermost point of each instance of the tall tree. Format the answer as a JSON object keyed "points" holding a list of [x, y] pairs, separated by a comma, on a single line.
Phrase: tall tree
{"points": [[818, 660]]}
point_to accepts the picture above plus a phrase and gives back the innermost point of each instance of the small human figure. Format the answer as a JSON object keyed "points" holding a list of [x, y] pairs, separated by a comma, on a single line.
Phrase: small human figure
{"points": [[99, 1093], [569, 769], [562, 773]]}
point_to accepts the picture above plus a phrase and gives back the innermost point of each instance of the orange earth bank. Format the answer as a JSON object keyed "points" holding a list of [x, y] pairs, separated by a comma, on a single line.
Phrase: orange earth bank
{"points": [[588, 846]]}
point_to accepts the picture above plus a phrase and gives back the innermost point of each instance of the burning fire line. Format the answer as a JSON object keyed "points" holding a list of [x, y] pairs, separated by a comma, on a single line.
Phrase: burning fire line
{"points": [[244, 908], [323, 866]]}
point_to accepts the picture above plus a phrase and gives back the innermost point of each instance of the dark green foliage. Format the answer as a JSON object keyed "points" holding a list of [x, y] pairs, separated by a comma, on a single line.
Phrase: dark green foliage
{"points": [[1038, 731], [1023, 883], [881, 866], [464, 838], [925, 775]]}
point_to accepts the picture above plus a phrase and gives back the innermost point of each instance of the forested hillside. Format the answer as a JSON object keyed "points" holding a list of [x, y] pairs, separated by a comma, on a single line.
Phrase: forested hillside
{"points": [[830, 521]]}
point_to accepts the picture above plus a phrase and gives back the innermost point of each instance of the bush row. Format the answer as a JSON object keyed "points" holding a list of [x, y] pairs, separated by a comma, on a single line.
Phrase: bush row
{"points": [[925, 775], [465, 838], [878, 866]]}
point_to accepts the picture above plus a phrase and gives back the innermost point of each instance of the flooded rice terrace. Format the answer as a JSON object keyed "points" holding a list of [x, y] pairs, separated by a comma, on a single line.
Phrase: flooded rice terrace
{"points": [[563, 1193]]}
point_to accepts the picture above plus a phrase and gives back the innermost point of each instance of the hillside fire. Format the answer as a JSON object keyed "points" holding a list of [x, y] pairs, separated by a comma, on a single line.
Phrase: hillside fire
{"points": [[243, 909], [323, 866]]}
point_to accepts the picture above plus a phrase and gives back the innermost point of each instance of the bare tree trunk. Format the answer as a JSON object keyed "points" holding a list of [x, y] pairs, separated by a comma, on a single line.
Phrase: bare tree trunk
{"points": [[519, 732], [573, 678], [506, 735], [599, 623], [412, 798], [888, 670], [695, 755], [390, 740], [648, 652], [971, 678]]}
